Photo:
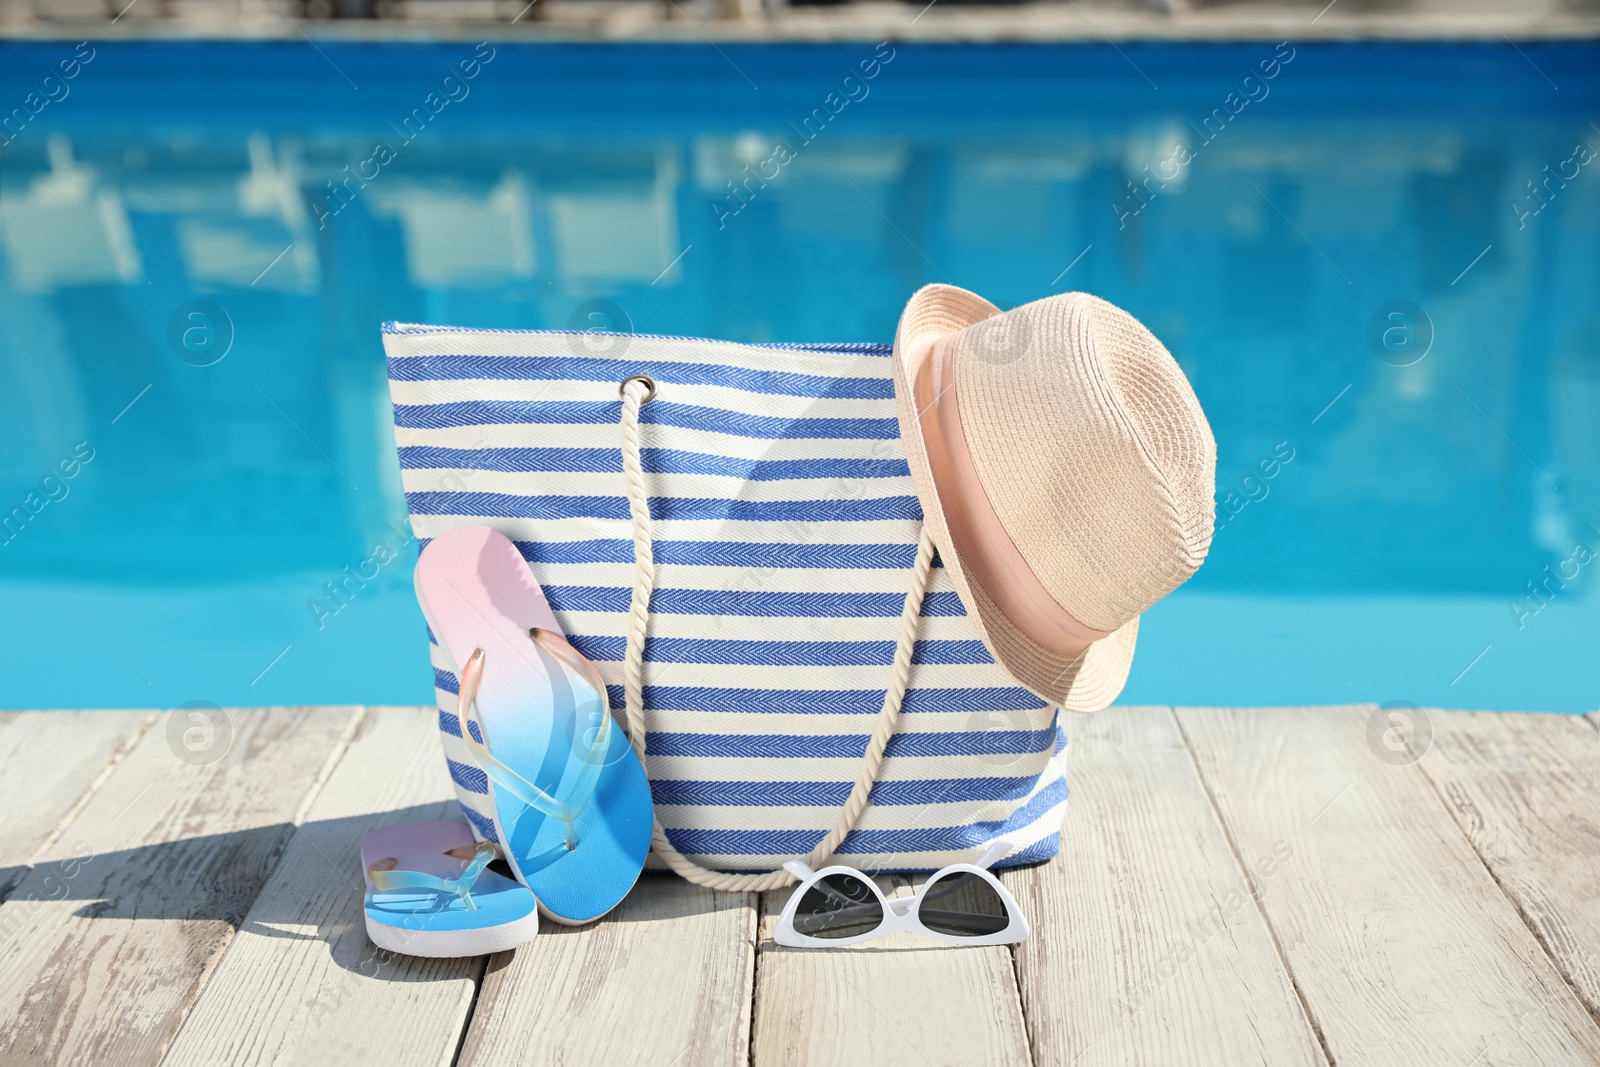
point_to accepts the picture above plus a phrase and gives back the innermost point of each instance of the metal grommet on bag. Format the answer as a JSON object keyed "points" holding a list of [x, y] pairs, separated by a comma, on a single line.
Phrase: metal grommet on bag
{"points": [[649, 384]]}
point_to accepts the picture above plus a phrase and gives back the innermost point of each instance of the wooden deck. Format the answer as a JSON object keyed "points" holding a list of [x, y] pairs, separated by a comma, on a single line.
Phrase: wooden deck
{"points": [[1237, 886]]}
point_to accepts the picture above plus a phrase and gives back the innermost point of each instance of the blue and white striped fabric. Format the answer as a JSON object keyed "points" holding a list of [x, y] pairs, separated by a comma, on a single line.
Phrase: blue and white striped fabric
{"points": [[785, 526]]}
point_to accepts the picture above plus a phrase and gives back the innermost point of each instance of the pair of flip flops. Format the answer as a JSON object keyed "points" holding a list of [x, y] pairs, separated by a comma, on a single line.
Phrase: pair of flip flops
{"points": [[572, 808]]}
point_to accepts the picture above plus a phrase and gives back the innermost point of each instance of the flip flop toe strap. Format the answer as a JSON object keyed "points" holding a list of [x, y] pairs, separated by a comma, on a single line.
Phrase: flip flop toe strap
{"points": [[460, 887], [505, 777]]}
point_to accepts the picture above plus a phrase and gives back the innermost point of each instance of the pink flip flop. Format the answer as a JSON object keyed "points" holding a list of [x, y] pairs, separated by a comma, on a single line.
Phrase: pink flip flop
{"points": [[572, 806]]}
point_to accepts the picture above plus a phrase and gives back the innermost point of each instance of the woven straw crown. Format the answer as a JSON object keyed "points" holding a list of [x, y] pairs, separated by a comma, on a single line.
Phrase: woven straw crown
{"points": [[1096, 459]]}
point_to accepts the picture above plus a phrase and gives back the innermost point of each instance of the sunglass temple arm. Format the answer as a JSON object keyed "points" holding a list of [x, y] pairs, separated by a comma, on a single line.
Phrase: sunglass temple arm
{"points": [[799, 869], [994, 853]]}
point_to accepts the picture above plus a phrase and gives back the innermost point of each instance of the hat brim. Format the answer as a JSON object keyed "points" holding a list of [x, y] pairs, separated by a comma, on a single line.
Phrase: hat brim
{"points": [[1086, 682]]}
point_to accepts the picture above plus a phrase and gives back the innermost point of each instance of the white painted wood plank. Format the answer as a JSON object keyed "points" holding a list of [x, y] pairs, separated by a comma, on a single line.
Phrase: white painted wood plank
{"points": [[662, 980], [301, 983], [49, 763], [1525, 789], [1148, 946], [1403, 948], [896, 1000], [106, 942]]}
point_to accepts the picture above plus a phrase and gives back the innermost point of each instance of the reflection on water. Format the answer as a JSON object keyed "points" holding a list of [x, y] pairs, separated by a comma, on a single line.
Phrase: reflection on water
{"points": [[193, 269]]}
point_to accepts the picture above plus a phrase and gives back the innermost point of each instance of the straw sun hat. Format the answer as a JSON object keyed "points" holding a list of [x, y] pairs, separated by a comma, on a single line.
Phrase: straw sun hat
{"points": [[1065, 450]]}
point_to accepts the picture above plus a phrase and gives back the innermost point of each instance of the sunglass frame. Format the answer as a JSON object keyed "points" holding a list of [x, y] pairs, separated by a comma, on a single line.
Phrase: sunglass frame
{"points": [[904, 918]]}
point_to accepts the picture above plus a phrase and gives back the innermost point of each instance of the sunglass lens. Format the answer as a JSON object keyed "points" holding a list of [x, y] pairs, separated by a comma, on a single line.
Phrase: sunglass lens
{"points": [[836, 906], [962, 905]]}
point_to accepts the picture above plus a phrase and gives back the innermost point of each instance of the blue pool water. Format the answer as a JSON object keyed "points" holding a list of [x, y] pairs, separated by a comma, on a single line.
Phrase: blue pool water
{"points": [[189, 322]]}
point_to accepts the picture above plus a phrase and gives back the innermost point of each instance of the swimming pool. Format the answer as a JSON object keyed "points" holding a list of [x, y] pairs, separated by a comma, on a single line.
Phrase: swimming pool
{"points": [[1379, 265]]}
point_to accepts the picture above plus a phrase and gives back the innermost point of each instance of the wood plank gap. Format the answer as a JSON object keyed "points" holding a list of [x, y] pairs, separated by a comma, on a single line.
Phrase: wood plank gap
{"points": [[94, 787], [1022, 1004], [747, 1011], [1527, 920], [1238, 858], [300, 982], [472, 1009], [109, 940], [1505, 891], [674, 960], [1387, 907], [17, 857], [821, 1005], [209, 968], [336, 753], [1143, 952], [1563, 965], [755, 983]]}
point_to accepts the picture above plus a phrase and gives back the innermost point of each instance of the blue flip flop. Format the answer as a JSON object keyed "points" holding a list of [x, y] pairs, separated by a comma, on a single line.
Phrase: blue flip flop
{"points": [[430, 893], [572, 806]]}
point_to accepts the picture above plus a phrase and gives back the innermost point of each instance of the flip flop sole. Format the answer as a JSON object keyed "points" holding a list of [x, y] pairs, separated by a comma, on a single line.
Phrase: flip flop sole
{"points": [[453, 944], [478, 593]]}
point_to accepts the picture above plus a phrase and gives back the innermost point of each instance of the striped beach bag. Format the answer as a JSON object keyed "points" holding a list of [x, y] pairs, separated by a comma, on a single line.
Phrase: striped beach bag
{"points": [[730, 533]]}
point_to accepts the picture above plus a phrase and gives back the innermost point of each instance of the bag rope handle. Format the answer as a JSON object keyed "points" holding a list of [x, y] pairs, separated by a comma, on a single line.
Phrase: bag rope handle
{"points": [[635, 392]]}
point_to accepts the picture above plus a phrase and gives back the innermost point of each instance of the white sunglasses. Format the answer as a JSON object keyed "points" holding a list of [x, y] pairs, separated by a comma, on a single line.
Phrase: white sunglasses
{"points": [[962, 904]]}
